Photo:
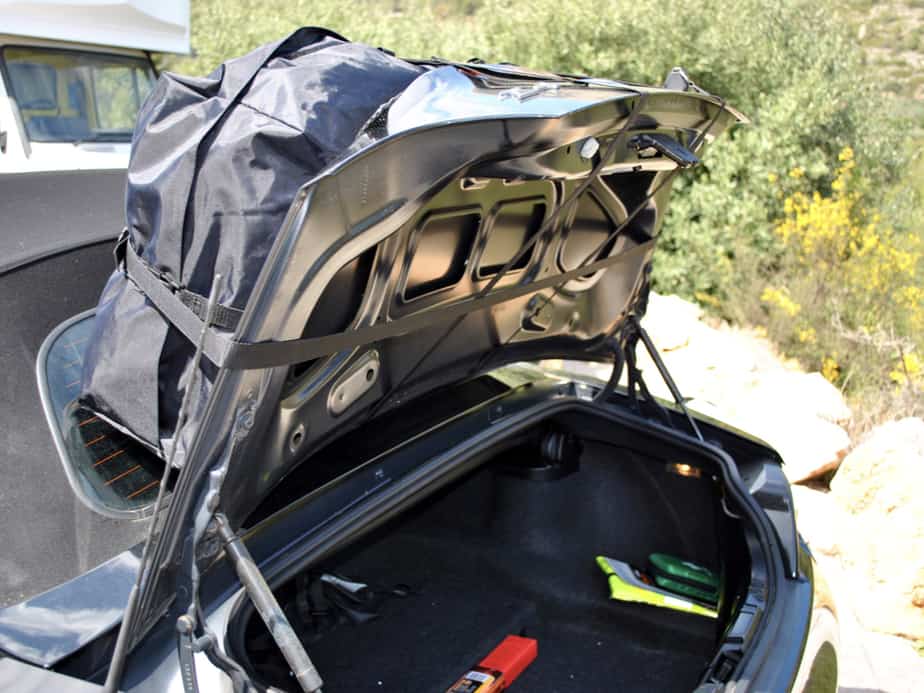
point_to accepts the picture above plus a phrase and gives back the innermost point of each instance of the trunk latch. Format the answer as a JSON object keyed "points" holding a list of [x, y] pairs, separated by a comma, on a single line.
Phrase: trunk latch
{"points": [[650, 145]]}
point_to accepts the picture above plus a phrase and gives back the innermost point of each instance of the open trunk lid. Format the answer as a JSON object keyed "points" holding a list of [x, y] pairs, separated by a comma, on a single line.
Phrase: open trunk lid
{"points": [[479, 216]]}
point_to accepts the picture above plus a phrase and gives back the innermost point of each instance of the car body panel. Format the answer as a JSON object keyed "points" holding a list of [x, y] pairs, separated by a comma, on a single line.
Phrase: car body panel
{"points": [[51, 212], [154, 666], [47, 628], [25, 678], [48, 535], [306, 529], [338, 216]]}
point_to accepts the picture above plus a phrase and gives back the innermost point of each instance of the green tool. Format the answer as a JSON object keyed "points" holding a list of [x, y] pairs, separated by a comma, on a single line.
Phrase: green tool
{"points": [[685, 578], [628, 585], [681, 588]]}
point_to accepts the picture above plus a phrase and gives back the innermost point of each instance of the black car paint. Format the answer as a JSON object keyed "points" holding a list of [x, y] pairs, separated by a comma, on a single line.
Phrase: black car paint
{"points": [[25, 678], [48, 536], [50, 212], [53, 625]]}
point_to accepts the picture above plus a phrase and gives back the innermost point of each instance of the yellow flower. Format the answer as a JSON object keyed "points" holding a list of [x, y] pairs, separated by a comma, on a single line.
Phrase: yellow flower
{"points": [[908, 370], [830, 369], [843, 248], [772, 178], [781, 299], [709, 299]]}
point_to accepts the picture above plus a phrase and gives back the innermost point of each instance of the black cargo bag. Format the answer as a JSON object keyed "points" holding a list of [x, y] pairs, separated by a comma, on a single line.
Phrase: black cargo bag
{"points": [[215, 164]]}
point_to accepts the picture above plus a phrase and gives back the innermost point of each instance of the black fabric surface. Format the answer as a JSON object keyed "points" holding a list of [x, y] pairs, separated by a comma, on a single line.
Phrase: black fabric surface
{"points": [[215, 165], [47, 535], [471, 597], [501, 556]]}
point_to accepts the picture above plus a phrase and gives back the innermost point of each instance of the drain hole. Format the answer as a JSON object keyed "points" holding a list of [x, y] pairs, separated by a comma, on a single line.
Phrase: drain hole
{"points": [[298, 435]]}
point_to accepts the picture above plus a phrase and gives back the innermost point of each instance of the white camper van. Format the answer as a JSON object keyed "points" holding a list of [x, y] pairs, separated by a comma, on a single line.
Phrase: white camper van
{"points": [[73, 74]]}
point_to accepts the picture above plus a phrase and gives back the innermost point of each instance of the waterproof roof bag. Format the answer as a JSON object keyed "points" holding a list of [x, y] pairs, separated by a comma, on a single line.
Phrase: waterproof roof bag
{"points": [[215, 165]]}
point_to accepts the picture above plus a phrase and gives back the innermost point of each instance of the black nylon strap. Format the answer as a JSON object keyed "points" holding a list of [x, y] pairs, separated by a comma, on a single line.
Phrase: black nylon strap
{"points": [[215, 346], [224, 317], [270, 354], [227, 353]]}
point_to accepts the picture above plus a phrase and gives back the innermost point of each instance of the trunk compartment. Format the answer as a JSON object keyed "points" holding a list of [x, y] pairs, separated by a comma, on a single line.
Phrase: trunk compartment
{"points": [[500, 552]]}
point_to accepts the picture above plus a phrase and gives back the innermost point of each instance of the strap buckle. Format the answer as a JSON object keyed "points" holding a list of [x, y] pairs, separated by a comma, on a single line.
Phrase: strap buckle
{"points": [[119, 252]]}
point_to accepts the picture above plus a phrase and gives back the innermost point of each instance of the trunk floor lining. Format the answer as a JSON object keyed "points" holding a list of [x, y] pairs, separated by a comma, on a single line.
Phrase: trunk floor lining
{"points": [[466, 603], [495, 555]]}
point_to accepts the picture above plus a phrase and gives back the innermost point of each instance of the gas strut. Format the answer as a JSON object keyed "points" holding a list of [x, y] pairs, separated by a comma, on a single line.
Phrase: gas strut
{"points": [[262, 597], [666, 376]]}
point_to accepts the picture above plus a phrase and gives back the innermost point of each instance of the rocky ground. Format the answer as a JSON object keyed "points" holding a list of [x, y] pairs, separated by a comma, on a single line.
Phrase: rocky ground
{"points": [[860, 503], [892, 34]]}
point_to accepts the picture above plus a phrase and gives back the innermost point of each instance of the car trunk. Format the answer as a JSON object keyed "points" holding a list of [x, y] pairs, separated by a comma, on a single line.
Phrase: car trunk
{"points": [[509, 549]]}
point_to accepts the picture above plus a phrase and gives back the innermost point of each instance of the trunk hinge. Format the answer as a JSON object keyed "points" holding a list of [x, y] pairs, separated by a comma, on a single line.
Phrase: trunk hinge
{"points": [[211, 530], [634, 333]]}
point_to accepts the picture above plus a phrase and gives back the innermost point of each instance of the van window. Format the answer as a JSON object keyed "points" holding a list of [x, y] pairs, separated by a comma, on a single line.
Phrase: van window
{"points": [[76, 96]]}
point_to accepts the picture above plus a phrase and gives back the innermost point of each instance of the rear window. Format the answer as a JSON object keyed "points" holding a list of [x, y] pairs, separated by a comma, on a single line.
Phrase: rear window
{"points": [[76, 96], [109, 471]]}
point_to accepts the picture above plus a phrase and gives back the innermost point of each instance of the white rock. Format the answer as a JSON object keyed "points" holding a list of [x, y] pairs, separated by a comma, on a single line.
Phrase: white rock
{"points": [[879, 485], [670, 320], [808, 393], [819, 520], [892, 452], [737, 377], [868, 661], [809, 445]]}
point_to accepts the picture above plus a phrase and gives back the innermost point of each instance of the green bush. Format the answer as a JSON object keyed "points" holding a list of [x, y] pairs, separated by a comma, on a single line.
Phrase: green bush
{"points": [[861, 283], [790, 66]]}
